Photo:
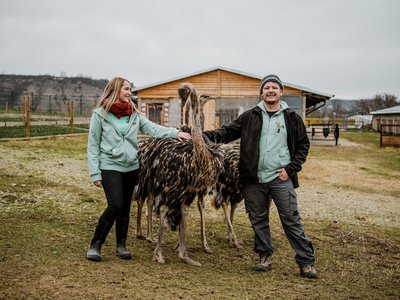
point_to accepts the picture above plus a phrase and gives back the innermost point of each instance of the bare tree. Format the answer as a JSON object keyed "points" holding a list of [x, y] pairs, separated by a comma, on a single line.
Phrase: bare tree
{"points": [[364, 106], [380, 101]]}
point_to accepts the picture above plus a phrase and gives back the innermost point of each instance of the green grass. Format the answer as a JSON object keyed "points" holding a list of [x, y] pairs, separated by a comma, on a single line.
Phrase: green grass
{"points": [[370, 138], [53, 148], [45, 130], [385, 160], [14, 119]]}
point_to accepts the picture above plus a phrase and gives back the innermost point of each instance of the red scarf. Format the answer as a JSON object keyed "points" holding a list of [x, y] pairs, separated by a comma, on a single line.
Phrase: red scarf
{"points": [[122, 109]]}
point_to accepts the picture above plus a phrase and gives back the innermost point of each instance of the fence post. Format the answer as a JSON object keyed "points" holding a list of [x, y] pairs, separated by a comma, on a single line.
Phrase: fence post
{"points": [[81, 104], [23, 106], [66, 108], [27, 117], [336, 134]]}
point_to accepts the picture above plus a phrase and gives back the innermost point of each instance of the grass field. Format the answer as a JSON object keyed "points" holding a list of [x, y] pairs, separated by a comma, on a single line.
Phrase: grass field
{"points": [[48, 210], [36, 130]]}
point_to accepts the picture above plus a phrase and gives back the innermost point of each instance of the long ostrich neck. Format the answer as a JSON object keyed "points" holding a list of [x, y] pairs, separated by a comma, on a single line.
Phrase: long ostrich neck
{"points": [[200, 148], [185, 112]]}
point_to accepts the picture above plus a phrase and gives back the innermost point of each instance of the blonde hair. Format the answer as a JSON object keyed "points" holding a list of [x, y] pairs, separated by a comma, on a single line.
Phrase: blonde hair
{"points": [[111, 93]]}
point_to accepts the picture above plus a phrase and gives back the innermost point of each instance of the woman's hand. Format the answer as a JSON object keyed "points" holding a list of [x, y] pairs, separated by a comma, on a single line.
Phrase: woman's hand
{"points": [[183, 136], [98, 183]]}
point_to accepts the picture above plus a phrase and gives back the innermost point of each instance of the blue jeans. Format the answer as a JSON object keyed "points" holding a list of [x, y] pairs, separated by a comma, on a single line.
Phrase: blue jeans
{"points": [[257, 203]]}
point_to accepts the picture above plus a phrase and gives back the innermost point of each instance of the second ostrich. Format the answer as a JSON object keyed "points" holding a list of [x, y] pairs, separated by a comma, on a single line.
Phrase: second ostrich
{"points": [[228, 188], [175, 172]]}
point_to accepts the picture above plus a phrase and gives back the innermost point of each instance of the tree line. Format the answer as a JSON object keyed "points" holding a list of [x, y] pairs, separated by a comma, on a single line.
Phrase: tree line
{"points": [[380, 101], [356, 107]]}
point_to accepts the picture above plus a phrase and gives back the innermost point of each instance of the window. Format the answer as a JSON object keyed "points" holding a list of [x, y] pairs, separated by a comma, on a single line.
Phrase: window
{"points": [[294, 102], [154, 111]]}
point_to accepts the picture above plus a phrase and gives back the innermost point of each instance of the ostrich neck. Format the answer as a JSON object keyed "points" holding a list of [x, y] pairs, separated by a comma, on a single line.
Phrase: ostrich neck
{"points": [[201, 152]]}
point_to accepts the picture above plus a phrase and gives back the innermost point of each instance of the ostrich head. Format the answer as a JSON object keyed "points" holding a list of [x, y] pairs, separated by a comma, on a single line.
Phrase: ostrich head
{"points": [[204, 98], [187, 91], [184, 91]]}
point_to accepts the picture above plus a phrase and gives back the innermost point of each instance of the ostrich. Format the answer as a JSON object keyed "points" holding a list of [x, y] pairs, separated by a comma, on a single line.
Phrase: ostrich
{"points": [[175, 172], [227, 191], [145, 144], [228, 188]]}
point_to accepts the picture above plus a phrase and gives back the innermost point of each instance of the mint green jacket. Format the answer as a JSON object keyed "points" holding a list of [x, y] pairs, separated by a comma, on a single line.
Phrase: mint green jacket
{"points": [[274, 150], [108, 149]]}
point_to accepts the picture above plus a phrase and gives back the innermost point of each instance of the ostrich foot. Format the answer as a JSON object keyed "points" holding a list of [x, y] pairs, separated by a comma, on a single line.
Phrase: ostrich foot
{"points": [[158, 258], [151, 240], [235, 244], [140, 236], [190, 261], [207, 249]]}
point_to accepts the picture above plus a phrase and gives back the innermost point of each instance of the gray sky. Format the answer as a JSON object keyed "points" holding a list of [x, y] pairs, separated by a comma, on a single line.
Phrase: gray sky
{"points": [[349, 48]]}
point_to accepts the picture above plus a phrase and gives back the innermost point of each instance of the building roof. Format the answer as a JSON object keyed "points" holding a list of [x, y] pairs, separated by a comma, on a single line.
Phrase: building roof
{"points": [[387, 111], [232, 71], [358, 118]]}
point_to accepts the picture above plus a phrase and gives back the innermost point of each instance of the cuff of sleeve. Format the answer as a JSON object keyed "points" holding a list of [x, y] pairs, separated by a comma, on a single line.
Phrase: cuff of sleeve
{"points": [[95, 177]]}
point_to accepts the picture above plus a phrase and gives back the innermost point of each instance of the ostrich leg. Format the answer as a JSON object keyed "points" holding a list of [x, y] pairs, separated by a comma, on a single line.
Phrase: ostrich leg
{"points": [[158, 250], [231, 233], [200, 206], [139, 233], [150, 205], [182, 240]]}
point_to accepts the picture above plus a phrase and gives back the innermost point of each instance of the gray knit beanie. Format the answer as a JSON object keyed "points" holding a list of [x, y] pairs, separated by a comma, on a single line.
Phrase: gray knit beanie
{"points": [[270, 77]]}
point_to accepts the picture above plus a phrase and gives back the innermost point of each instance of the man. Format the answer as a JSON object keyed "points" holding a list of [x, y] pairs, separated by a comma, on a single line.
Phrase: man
{"points": [[274, 145]]}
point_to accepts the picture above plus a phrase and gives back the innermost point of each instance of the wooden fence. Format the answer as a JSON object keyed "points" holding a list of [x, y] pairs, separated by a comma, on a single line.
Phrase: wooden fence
{"points": [[390, 135], [27, 119]]}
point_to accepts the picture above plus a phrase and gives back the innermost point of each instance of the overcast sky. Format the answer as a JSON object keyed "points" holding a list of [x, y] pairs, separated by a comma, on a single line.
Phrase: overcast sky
{"points": [[349, 48]]}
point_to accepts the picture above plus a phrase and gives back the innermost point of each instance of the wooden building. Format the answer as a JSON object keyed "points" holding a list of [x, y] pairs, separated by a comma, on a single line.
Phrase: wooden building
{"points": [[388, 117], [234, 92]]}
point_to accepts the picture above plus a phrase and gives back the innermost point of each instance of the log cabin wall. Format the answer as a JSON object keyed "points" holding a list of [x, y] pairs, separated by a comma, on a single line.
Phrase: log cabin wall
{"points": [[234, 93]]}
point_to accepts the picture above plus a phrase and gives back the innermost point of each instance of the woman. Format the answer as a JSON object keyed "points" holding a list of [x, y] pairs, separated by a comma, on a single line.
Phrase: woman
{"points": [[113, 162]]}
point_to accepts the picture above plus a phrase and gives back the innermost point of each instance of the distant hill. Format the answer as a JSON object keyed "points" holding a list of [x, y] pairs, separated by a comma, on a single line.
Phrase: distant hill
{"points": [[48, 93]]}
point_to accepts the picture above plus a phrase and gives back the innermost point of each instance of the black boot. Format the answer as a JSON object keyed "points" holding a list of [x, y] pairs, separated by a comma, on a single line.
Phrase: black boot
{"points": [[100, 234], [121, 230], [93, 253]]}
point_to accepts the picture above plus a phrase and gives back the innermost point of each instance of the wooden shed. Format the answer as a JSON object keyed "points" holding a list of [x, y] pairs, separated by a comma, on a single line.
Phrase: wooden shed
{"points": [[235, 92], [390, 117]]}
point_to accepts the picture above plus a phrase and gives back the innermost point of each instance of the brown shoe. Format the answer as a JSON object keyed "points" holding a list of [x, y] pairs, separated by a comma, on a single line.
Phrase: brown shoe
{"points": [[265, 263], [308, 271]]}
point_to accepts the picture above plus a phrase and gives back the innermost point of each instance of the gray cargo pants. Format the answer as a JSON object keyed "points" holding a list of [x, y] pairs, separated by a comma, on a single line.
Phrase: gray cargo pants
{"points": [[285, 198]]}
